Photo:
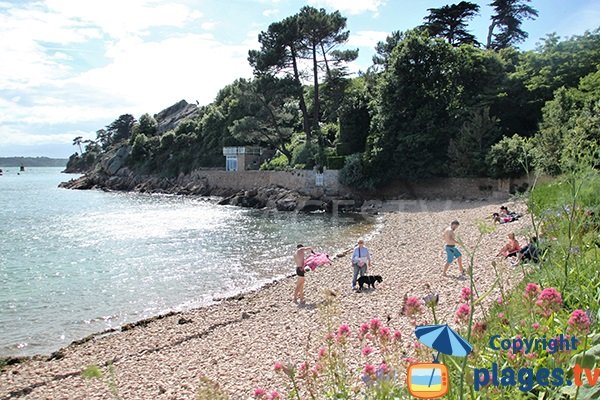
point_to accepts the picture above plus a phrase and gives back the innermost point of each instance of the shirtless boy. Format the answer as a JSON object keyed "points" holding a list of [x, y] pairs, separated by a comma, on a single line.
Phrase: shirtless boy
{"points": [[299, 260], [452, 251]]}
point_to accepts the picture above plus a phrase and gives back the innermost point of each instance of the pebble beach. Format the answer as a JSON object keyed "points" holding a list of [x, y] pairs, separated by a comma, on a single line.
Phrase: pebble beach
{"points": [[237, 341]]}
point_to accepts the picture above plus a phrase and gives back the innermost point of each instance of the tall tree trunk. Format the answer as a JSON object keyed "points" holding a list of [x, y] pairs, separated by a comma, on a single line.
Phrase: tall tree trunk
{"points": [[326, 62], [490, 34], [303, 109], [316, 91]]}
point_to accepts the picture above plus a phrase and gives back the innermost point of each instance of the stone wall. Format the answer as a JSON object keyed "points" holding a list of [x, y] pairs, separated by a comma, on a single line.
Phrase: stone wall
{"points": [[304, 182], [301, 180], [453, 188]]}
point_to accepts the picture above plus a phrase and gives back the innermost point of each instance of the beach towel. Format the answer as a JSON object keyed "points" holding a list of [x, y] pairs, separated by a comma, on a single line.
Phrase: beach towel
{"points": [[316, 260]]}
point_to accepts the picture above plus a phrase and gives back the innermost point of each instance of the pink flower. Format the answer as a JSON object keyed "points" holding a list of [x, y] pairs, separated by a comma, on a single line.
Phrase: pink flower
{"points": [[465, 294], [322, 352], [302, 369], [535, 326], [342, 333], [329, 337], [383, 368], [510, 355], [375, 325], [369, 370], [344, 330], [532, 290], [397, 336], [259, 393], [412, 306], [462, 313], [549, 300], [385, 333], [500, 300], [278, 366], [364, 329], [579, 321], [274, 395], [366, 351]]}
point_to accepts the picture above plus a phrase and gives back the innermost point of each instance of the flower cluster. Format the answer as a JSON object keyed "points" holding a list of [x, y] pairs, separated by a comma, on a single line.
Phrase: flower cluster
{"points": [[413, 306], [465, 295], [532, 291], [549, 301], [579, 321], [462, 313], [263, 395]]}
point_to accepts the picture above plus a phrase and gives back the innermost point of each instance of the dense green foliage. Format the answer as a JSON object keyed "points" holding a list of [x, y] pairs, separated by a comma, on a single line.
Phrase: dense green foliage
{"points": [[432, 104]]}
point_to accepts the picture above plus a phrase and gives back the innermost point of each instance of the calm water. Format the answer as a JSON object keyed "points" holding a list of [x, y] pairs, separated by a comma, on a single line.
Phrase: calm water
{"points": [[77, 262]]}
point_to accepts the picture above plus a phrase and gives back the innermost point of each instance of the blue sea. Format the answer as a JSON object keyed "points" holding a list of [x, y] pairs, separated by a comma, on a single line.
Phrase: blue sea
{"points": [[77, 262]]}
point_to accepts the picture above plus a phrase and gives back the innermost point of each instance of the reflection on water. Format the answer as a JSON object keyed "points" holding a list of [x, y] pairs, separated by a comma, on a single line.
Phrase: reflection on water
{"points": [[77, 262]]}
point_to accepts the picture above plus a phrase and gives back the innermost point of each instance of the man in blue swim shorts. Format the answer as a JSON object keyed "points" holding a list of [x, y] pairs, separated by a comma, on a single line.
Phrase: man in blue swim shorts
{"points": [[452, 252]]}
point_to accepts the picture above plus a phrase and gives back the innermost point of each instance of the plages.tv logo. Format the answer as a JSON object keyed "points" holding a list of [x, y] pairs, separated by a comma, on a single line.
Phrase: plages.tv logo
{"points": [[431, 380]]}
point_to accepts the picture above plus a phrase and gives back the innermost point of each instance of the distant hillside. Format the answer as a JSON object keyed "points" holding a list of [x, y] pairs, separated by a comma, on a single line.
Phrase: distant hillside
{"points": [[32, 162]]}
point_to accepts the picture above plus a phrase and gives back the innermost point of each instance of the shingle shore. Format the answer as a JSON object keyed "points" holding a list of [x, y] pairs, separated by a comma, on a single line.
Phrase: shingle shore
{"points": [[237, 341]]}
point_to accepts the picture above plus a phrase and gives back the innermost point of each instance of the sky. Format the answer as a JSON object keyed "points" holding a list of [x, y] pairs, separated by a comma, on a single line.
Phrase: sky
{"points": [[71, 67]]}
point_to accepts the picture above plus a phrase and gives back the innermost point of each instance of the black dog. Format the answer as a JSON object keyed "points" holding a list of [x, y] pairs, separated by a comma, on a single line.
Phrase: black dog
{"points": [[369, 280]]}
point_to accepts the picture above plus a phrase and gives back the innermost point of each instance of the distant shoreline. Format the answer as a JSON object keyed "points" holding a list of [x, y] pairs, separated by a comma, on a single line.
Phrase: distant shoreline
{"points": [[30, 162]]}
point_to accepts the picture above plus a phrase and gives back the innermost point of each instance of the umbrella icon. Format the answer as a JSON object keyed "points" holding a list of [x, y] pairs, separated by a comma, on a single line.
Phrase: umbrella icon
{"points": [[443, 339]]}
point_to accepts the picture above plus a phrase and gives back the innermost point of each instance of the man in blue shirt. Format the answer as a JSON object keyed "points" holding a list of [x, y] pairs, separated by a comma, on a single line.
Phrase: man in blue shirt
{"points": [[361, 259]]}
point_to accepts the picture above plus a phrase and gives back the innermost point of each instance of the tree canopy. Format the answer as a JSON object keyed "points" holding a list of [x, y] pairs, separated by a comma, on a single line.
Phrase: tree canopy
{"points": [[433, 103], [450, 23]]}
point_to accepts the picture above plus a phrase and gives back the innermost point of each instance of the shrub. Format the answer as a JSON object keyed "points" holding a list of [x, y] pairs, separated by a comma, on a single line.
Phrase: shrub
{"points": [[510, 157], [277, 163], [354, 174], [305, 153]]}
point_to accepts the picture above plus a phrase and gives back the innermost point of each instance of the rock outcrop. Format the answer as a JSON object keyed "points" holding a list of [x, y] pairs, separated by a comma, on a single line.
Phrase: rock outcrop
{"points": [[172, 116]]}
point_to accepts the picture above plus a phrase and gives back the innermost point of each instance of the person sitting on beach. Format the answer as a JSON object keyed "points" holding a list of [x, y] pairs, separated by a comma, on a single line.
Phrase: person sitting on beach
{"points": [[361, 260], [511, 248], [452, 251], [530, 252], [299, 256]]}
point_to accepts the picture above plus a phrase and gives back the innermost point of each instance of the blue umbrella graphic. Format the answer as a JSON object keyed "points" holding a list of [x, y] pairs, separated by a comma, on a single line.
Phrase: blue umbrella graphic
{"points": [[443, 339]]}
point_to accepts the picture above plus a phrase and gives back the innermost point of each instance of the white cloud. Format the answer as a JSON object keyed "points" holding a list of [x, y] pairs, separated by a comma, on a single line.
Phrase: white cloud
{"points": [[270, 12], [351, 6], [120, 19], [153, 75], [136, 76], [366, 38], [15, 137], [209, 25]]}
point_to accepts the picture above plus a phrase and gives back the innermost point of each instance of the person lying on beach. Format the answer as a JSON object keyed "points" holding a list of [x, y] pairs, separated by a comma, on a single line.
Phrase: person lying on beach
{"points": [[299, 256], [511, 248]]}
